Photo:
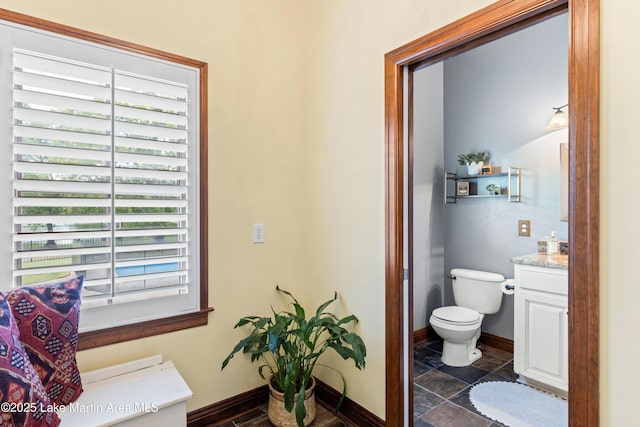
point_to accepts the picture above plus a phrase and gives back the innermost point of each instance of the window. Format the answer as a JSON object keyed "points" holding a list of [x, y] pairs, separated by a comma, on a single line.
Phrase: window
{"points": [[105, 178]]}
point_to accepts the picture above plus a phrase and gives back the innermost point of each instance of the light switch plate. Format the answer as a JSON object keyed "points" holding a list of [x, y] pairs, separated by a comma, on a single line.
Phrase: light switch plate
{"points": [[524, 227], [258, 233]]}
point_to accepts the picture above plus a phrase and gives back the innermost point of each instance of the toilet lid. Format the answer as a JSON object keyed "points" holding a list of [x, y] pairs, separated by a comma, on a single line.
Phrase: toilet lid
{"points": [[455, 314]]}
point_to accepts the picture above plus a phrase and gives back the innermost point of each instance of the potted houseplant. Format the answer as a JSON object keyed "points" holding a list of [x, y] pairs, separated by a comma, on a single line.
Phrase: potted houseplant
{"points": [[473, 161], [287, 346]]}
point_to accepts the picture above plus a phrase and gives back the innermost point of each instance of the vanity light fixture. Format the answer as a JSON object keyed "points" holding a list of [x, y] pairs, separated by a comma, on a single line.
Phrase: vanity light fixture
{"points": [[560, 119]]}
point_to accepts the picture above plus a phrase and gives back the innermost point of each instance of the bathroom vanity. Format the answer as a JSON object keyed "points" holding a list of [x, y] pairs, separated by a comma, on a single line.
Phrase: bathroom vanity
{"points": [[541, 321]]}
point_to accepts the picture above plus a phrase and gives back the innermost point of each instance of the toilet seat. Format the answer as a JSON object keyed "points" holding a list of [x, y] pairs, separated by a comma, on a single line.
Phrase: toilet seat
{"points": [[457, 315]]}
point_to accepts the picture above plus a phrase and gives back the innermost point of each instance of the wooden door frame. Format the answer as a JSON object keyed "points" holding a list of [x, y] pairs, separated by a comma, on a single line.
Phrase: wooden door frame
{"points": [[491, 22]]}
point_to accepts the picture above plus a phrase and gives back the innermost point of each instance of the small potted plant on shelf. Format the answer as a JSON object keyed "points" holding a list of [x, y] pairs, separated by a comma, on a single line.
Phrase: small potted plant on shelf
{"points": [[494, 190], [473, 161], [287, 346]]}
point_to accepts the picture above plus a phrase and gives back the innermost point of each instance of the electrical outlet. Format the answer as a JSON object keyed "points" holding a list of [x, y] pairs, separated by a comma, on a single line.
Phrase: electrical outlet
{"points": [[524, 227]]}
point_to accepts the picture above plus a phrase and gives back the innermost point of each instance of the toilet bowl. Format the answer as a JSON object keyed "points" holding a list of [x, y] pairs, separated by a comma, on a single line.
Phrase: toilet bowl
{"points": [[459, 328], [476, 293]]}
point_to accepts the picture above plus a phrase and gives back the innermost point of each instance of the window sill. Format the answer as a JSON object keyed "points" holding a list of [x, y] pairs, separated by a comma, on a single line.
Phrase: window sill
{"points": [[87, 340]]}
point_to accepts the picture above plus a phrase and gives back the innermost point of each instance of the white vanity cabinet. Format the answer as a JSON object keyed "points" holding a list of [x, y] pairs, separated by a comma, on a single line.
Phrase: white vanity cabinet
{"points": [[541, 327]]}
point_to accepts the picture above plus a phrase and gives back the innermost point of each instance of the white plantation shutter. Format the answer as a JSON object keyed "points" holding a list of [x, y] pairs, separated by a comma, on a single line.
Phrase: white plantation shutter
{"points": [[151, 199], [61, 171], [104, 184]]}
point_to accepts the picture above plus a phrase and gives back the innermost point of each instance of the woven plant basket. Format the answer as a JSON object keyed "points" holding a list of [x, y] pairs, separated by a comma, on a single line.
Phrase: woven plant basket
{"points": [[279, 416]]}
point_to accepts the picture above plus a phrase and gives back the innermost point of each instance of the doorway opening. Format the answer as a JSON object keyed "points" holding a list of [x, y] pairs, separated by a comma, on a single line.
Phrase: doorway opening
{"points": [[495, 99], [490, 23]]}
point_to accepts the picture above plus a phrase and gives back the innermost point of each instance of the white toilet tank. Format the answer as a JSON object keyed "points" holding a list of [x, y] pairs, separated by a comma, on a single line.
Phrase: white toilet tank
{"points": [[477, 290]]}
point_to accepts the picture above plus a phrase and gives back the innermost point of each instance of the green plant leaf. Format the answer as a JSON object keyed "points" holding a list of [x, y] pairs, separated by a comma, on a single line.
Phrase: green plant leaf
{"points": [[351, 318], [289, 387], [287, 345], [299, 310], [245, 320], [343, 394], [326, 304], [335, 330], [301, 411], [274, 341], [236, 349], [465, 159], [359, 349], [260, 369], [262, 322], [344, 352], [287, 293]]}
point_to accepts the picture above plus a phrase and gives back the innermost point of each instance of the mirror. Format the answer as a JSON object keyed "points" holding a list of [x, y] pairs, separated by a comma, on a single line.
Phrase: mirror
{"points": [[564, 170]]}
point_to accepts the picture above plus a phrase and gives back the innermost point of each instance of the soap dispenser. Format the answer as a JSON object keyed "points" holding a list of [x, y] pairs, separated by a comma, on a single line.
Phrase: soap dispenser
{"points": [[552, 244]]}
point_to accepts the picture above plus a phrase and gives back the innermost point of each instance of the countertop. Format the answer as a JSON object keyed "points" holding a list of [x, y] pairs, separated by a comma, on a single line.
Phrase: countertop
{"points": [[543, 260]]}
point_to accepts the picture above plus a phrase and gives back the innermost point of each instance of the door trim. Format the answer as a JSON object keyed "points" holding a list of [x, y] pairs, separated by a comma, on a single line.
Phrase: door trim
{"points": [[491, 22]]}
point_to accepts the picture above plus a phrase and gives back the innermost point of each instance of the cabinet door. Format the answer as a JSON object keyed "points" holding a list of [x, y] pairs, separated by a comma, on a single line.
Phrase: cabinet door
{"points": [[542, 338]]}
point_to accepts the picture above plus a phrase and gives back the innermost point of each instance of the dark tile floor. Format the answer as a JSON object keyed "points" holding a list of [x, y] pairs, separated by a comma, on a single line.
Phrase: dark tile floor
{"points": [[441, 392], [258, 418]]}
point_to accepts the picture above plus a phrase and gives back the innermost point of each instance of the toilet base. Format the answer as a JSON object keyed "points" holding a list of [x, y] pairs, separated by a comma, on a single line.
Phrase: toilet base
{"points": [[459, 354]]}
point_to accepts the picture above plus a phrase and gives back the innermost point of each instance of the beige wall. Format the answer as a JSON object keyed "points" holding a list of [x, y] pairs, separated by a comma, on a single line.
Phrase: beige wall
{"points": [[297, 142], [345, 135], [620, 211]]}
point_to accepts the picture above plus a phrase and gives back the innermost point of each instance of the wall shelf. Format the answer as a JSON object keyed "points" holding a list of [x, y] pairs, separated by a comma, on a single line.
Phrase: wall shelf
{"points": [[509, 183]]}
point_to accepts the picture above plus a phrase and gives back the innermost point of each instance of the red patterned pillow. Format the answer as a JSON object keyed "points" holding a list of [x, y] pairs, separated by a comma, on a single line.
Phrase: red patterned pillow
{"points": [[24, 400], [47, 316]]}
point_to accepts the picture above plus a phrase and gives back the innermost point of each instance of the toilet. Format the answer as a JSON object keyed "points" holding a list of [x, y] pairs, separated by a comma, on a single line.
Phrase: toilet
{"points": [[475, 293]]}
